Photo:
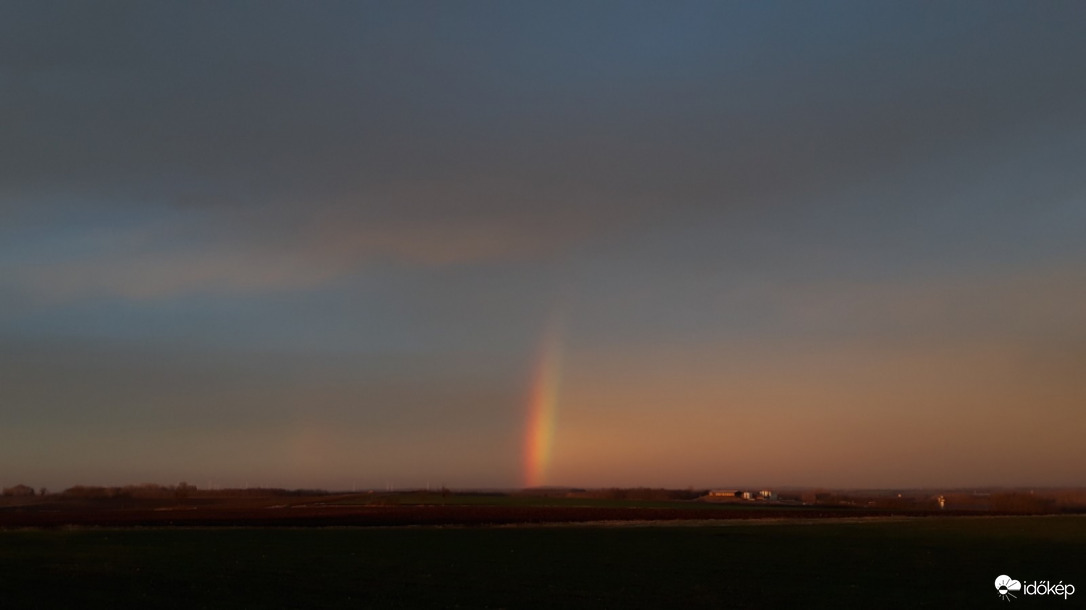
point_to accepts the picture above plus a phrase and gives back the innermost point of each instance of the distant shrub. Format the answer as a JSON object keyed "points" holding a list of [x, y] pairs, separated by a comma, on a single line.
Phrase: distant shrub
{"points": [[82, 491], [1017, 502], [641, 494], [19, 491], [183, 490]]}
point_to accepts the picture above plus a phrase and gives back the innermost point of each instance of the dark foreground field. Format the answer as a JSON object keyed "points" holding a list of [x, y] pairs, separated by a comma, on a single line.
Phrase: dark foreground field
{"points": [[922, 562]]}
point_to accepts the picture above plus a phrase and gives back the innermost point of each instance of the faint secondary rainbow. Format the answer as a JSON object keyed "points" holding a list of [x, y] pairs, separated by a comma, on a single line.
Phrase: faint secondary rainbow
{"points": [[542, 403]]}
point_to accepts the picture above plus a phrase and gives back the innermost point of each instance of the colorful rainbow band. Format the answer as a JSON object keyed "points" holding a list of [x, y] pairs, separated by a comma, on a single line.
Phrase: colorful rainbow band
{"points": [[542, 400]]}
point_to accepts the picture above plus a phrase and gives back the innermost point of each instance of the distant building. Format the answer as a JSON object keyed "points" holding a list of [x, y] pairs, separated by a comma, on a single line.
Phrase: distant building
{"points": [[725, 493], [739, 494]]}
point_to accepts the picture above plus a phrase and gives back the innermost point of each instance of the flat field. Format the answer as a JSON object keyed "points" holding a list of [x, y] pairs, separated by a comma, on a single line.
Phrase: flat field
{"points": [[937, 562], [394, 509]]}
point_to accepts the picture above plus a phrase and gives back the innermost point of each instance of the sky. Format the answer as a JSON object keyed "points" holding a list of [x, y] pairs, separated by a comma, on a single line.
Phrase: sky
{"points": [[507, 244]]}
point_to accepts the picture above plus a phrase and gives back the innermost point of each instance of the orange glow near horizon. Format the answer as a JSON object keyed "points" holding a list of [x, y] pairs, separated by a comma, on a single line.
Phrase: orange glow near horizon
{"points": [[542, 403]]}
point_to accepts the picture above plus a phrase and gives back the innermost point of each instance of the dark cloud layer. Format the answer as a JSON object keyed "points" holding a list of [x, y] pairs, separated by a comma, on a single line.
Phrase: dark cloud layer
{"points": [[520, 122]]}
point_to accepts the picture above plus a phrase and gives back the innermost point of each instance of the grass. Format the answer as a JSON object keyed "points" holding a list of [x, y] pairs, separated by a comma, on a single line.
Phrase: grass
{"points": [[934, 562]]}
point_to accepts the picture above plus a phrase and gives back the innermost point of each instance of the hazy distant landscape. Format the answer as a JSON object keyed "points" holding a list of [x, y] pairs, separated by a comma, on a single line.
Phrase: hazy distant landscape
{"points": [[186, 505], [632, 548]]}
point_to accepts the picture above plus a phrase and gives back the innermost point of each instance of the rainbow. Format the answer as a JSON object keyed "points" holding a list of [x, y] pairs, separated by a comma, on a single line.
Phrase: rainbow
{"points": [[542, 400]]}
